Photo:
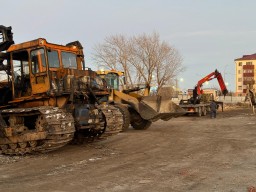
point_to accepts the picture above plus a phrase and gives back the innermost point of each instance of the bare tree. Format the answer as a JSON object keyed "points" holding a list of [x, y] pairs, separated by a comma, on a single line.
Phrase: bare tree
{"points": [[144, 58], [144, 49], [114, 54], [168, 65], [156, 61]]}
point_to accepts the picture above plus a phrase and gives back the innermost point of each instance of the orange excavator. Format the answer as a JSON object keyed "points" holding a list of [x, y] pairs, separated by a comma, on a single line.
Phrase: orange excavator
{"points": [[197, 92], [193, 104]]}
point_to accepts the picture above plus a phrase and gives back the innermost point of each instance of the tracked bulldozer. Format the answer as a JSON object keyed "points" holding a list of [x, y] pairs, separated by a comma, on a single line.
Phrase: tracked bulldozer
{"points": [[137, 105], [48, 98]]}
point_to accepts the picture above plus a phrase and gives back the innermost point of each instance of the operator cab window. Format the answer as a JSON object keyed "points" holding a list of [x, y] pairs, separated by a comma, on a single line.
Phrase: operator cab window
{"points": [[20, 64], [3, 76], [20, 74], [53, 59], [112, 81], [69, 60], [38, 61]]}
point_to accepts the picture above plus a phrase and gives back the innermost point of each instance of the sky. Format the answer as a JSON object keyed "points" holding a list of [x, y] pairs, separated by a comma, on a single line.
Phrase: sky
{"points": [[209, 34]]}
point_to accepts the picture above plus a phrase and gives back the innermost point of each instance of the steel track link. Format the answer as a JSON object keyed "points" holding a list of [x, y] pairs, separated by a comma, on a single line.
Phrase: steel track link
{"points": [[114, 120], [58, 125]]}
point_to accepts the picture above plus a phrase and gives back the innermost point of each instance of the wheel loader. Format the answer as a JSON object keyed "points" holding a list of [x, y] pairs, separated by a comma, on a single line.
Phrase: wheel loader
{"points": [[48, 98], [137, 106]]}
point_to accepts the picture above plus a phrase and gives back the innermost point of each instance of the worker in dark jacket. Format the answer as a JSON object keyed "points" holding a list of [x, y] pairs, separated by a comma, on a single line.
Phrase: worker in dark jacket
{"points": [[213, 107]]}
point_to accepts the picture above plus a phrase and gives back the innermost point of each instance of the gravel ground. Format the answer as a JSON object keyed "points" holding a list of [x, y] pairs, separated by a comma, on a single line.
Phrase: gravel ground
{"points": [[184, 154]]}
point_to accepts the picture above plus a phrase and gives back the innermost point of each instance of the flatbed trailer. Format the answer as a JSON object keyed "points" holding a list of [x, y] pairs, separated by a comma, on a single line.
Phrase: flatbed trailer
{"points": [[198, 109]]}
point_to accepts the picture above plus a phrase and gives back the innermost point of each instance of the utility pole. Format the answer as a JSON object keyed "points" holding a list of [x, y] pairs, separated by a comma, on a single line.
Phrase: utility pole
{"points": [[176, 87]]}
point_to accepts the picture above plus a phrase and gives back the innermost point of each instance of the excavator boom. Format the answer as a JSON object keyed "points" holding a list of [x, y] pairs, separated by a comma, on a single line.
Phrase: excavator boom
{"points": [[209, 77]]}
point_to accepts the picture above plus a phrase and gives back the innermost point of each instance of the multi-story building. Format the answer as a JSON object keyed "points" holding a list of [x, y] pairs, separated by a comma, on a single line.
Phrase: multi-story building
{"points": [[245, 73]]}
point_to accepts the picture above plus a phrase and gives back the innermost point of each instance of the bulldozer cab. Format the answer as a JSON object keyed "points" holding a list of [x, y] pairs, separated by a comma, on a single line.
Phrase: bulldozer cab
{"points": [[35, 64]]}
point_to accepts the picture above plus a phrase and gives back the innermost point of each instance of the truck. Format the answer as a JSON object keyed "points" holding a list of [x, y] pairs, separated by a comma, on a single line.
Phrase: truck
{"points": [[195, 104]]}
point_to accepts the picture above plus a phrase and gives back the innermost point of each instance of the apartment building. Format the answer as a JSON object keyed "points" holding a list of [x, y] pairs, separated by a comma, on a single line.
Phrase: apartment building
{"points": [[245, 73]]}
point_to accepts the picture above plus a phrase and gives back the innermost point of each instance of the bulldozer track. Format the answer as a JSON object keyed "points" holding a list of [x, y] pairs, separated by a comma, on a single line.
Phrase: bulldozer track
{"points": [[126, 116], [59, 128], [112, 125], [57, 125], [114, 120]]}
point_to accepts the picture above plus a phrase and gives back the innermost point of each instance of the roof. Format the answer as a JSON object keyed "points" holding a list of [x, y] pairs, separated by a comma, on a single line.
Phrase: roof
{"points": [[40, 42], [247, 57]]}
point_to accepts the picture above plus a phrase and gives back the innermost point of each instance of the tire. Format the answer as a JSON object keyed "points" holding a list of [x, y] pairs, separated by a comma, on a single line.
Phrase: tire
{"points": [[137, 122], [141, 125], [199, 113], [126, 116], [204, 111]]}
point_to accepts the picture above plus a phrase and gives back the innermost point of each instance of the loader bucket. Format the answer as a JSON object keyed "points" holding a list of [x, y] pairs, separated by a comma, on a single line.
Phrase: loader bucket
{"points": [[153, 108]]}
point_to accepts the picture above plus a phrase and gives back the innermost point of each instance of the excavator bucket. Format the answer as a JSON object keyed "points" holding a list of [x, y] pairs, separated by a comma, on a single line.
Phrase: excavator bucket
{"points": [[153, 108]]}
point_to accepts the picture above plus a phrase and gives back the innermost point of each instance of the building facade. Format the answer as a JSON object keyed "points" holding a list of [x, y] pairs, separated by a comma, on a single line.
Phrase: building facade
{"points": [[245, 73]]}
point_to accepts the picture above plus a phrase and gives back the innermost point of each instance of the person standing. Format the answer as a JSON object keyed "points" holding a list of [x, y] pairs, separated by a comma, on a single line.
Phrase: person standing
{"points": [[213, 107]]}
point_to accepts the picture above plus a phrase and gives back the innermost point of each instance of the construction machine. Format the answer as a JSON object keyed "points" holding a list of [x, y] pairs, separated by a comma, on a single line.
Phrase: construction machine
{"points": [[195, 104], [140, 109], [198, 91], [48, 97]]}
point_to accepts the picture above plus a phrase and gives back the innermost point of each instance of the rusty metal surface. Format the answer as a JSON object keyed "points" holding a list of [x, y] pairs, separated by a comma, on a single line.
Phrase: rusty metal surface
{"points": [[56, 130], [38, 116], [114, 119]]}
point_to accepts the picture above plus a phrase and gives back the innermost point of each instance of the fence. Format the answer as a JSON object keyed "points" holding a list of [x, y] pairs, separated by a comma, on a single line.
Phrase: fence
{"points": [[226, 99], [232, 99]]}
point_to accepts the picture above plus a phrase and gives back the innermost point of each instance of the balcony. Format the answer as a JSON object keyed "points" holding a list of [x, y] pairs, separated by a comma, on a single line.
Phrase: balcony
{"points": [[251, 82]]}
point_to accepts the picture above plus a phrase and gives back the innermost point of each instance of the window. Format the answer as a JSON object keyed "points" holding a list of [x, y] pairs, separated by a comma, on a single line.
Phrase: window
{"points": [[239, 79], [69, 60], [20, 73], [248, 71], [38, 61], [248, 63], [248, 78], [240, 64], [239, 87], [20, 63], [112, 80], [53, 59]]}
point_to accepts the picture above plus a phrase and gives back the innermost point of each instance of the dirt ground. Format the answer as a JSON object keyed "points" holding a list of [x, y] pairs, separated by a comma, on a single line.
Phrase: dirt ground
{"points": [[184, 154]]}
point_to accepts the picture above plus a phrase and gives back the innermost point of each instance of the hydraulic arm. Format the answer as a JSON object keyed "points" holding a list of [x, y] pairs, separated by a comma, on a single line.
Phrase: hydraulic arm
{"points": [[213, 75]]}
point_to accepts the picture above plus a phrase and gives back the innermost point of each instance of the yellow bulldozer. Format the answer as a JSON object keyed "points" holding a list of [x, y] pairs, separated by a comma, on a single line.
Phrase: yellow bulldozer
{"points": [[136, 104]]}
